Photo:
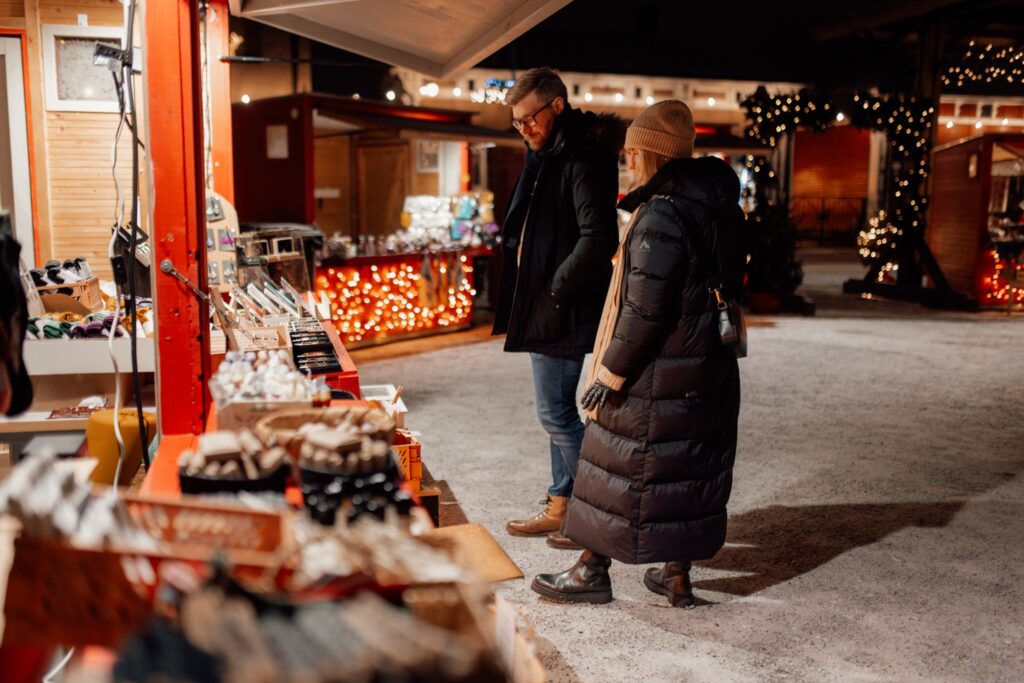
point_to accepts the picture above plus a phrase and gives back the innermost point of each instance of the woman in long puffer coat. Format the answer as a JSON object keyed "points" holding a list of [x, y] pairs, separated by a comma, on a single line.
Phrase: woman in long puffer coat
{"points": [[655, 470]]}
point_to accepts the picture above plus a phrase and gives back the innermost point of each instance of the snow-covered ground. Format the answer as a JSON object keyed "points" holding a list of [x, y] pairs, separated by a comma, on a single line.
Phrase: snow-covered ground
{"points": [[877, 517]]}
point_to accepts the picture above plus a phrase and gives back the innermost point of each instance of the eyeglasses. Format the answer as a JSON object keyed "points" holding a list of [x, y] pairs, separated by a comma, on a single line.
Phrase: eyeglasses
{"points": [[530, 120]]}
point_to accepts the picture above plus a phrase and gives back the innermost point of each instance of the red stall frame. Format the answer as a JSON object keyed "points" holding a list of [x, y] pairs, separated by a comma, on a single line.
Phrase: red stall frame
{"points": [[175, 150]]}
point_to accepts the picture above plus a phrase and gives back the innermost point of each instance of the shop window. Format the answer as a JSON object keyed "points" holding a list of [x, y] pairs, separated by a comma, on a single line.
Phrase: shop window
{"points": [[72, 81]]}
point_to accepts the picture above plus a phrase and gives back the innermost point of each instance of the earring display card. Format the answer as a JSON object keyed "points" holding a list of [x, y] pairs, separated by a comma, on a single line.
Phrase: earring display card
{"points": [[213, 277], [225, 241]]}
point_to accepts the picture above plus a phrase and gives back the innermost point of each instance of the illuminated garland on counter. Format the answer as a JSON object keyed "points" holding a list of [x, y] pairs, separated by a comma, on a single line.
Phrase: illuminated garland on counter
{"points": [[377, 301]]}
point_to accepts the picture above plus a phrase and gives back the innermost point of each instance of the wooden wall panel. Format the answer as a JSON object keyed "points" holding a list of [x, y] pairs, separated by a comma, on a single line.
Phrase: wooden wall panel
{"points": [[82, 192], [425, 183], [504, 164], [959, 211], [332, 169], [833, 163], [383, 173], [271, 189], [944, 135], [72, 153], [100, 12], [12, 8]]}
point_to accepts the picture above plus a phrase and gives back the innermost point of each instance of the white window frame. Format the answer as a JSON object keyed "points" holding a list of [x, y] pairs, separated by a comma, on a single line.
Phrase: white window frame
{"points": [[51, 32]]}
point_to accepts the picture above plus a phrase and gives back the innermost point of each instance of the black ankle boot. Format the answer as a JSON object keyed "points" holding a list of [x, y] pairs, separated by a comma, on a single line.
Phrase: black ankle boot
{"points": [[673, 581], [585, 581]]}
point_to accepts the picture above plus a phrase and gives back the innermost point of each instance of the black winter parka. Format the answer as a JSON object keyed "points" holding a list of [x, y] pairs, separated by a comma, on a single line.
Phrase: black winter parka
{"points": [[551, 299], [655, 469]]}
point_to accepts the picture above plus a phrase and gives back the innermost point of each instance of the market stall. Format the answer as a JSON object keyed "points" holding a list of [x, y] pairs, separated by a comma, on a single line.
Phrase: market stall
{"points": [[278, 506], [976, 220], [402, 194]]}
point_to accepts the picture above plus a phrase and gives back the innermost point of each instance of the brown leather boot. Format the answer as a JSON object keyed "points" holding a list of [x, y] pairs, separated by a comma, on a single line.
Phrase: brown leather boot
{"points": [[542, 524], [585, 581], [556, 539], [673, 581]]}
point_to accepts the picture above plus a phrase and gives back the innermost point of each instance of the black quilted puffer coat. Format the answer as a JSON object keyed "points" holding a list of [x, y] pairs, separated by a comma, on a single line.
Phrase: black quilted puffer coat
{"points": [[655, 470]]}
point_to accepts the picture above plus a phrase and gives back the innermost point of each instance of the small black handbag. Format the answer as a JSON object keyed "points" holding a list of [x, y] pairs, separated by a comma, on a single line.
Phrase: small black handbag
{"points": [[732, 328]]}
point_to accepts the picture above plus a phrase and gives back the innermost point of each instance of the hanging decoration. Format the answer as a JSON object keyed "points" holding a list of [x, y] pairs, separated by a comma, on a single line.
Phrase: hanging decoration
{"points": [[986, 64], [877, 244], [905, 120]]}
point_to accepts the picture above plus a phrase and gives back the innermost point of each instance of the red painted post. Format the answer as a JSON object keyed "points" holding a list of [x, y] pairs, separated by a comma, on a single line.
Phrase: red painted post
{"points": [[217, 41], [177, 228]]}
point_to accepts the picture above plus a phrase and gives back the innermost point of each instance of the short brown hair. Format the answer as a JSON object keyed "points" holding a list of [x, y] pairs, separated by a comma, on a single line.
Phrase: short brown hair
{"points": [[543, 80]]}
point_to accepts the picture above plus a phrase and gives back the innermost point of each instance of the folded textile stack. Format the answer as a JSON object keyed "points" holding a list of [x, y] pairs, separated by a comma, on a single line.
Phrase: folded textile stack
{"points": [[57, 273], [92, 326]]}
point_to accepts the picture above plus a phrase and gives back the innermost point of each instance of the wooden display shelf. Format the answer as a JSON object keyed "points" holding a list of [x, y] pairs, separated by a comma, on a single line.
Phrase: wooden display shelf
{"points": [[85, 356]]}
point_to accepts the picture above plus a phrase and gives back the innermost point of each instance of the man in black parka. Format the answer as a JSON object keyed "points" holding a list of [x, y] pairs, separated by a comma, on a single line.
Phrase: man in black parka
{"points": [[557, 242]]}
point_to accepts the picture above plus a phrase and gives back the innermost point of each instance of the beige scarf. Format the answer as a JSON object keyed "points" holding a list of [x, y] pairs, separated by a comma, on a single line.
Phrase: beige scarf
{"points": [[609, 318]]}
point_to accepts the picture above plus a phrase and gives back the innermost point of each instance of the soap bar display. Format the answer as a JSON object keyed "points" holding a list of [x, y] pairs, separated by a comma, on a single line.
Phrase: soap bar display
{"points": [[259, 375], [231, 462], [289, 428]]}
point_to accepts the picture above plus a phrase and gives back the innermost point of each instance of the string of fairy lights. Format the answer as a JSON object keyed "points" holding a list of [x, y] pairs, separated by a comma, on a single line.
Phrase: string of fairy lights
{"points": [[986, 64], [1002, 280], [376, 301], [906, 121]]}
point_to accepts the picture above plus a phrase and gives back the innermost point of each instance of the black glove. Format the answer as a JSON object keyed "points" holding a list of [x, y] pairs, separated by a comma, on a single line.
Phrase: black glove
{"points": [[596, 395]]}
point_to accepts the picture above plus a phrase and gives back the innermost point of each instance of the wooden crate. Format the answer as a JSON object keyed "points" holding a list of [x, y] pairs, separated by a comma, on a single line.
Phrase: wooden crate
{"points": [[57, 594], [408, 453]]}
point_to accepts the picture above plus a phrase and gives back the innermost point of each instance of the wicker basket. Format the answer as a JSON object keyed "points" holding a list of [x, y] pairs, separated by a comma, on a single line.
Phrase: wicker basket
{"points": [[284, 426], [86, 292]]}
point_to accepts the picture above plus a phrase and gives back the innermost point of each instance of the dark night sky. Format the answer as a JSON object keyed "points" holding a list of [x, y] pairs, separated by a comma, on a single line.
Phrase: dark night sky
{"points": [[790, 40], [832, 44]]}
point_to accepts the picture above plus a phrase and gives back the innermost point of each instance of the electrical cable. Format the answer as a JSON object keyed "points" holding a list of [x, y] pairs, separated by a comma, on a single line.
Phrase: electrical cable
{"points": [[48, 678], [133, 323], [118, 218], [118, 221]]}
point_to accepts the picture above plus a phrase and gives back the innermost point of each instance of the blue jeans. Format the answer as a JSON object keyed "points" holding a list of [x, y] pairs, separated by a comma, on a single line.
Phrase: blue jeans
{"points": [[555, 381]]}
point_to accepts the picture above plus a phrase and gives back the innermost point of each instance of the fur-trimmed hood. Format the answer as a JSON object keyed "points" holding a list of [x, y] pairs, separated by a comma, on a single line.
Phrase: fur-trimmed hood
{"points": [[581, 130]]}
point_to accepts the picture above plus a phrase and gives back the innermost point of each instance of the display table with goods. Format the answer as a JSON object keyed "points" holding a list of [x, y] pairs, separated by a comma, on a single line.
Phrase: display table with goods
{"points": [[78, 350], [306, 557], [419, 281]]}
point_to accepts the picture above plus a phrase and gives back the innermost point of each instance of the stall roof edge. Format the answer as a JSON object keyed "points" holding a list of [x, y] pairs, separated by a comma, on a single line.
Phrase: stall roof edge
{"points": [[375, 114], [487, 28]]}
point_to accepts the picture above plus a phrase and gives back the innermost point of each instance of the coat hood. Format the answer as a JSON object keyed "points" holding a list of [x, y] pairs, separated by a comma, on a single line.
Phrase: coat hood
{"points": [[705, 180], [586, 129]]}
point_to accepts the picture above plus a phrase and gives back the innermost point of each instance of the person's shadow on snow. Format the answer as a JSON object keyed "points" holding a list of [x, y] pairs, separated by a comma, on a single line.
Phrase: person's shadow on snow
{"points": [[779, 543]]}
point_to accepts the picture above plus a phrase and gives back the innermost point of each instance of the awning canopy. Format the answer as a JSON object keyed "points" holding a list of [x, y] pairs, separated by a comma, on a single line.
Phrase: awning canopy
{"points": [[434, 37]]}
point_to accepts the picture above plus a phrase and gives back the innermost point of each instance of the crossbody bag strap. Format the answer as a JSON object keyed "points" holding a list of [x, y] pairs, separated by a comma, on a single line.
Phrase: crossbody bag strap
{"points": [[713, 281]]}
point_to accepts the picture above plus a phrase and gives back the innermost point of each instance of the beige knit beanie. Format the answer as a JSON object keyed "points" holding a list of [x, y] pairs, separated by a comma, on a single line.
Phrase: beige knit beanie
{"points": [[665, 128]]}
